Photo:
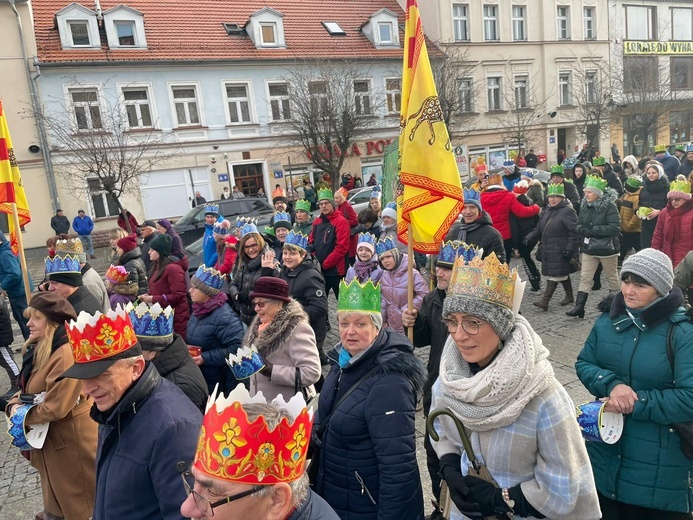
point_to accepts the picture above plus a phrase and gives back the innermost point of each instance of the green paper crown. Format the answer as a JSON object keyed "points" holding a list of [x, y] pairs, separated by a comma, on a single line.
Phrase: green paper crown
{"points": [[595, 182], [680, 186], [557, 169], [680, 147], [634, 181], [325, 194], [354, 297], [659, 148], [302, 205], [599, 161], [555, 189]]}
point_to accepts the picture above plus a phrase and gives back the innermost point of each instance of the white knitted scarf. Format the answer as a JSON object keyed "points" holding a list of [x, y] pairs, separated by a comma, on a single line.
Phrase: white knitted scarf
{"points": [[496, 396]]}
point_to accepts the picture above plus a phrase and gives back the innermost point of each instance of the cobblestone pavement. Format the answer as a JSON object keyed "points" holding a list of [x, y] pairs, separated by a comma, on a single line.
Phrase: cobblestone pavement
{"points": [[20, 492]]}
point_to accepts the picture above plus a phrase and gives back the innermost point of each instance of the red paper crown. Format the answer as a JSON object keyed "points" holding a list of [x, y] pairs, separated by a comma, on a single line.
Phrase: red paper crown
{"points": [[100, 336], [116, 274], [232, 448]]}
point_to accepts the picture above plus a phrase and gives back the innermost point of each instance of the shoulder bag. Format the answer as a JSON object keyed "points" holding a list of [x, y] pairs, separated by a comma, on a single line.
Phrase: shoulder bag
{"points": [[685, 430]]}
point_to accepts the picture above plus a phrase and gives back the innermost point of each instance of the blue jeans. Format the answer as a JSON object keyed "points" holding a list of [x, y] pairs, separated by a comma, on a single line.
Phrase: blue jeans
{"points": [[87, 244]]}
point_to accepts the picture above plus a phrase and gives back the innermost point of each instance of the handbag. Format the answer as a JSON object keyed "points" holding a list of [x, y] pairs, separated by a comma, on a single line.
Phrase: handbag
{"points": [[685, 430], [599, 246]]}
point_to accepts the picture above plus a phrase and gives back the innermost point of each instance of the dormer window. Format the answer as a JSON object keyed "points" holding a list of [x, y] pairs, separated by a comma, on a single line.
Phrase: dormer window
{"points": [[78, 27], [79, 31], [385, 31], [126, 33], [382, 29], [266, 28], [124, 28]]}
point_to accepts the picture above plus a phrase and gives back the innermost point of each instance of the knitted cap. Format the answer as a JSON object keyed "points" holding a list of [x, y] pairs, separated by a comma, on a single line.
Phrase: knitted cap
{"points": [[653, 266], [390, 212], [56, 308], [162, 245], [128, 243], [501, 319]]}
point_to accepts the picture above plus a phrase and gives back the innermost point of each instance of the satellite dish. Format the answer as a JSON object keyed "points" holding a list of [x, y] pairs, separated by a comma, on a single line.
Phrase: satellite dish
{"points": [[552, 114]]}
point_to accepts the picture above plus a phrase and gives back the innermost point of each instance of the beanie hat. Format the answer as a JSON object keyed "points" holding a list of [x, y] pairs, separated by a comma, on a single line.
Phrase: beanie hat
{"points": [[280, 198], [390, 212], [500, 318], [652, 266], [271, 288], [128, 243], [72, 279], [56, 308], [521, 187], [162, 245]]}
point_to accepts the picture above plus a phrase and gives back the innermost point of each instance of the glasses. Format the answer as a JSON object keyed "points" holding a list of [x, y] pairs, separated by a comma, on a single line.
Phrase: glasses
{"points": [[260, 304], [470, 326], [248, 247], [203, 504]]}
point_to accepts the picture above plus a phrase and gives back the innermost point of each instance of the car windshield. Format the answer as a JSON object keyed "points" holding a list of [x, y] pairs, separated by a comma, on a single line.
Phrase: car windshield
{"points": [[194, 215], [195, 248]]}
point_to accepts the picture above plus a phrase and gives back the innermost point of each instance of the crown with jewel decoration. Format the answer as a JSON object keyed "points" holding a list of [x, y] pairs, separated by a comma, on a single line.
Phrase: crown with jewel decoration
{"points": [[367, 238], [71, 246], [250, 226], [659, 148], [209, 276], [596, 182], [153, 323], [325, 194], [298, 239], [63, 264], [302, 205], [555, 189], [556, 169], [116, 274], [233, 448], [357, 297], [385, 245], [100, 336], [450, 251], [487, 280], [212, 209], [245, 362]]}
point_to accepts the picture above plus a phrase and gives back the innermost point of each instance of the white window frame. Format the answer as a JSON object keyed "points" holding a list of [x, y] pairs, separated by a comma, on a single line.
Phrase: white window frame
{"points": [[564, 81], [77, 14], [238, 102], [275, 31], [650, 30], [283, 102], [679, 14], [198, 101], [520, 84], [591, 78], [88, 114], [360, 96], [519, 23], [104, 199], [125, 87], [391, 95], [563, 22], [391, 26], [465, 91], [460, 22], [491, 22], [589, 23], [494, 99], [123, 23], [69, 25]]}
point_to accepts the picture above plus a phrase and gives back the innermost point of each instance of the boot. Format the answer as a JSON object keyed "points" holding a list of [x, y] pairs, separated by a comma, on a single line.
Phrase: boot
{"points": [[568, 288], [596, 280], [534, 279], [579, 309], [548, 293]]}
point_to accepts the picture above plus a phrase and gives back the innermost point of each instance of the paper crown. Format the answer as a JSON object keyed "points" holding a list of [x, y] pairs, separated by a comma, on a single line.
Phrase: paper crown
{"points": [[298, 239], [599, 161], [680, 147], [556, 169], [634, 181], [659, 148], [245, 362], [212, 208], [486, 280], [250, 226], [302, 205], [209, 276], [100, 336], [116, 274], [521, 187], [268, 230], [689, 147], [72, 246], [508, 164], [221, 228], [472, 196], [595, 182], [240, 221], [555, 189], [385, 245], [450, 251], [343, 192], [325, 194], [26, 437], [679, 188], [367, 238], [357, 297], [151, 322], [480, 168], [282, 216], [377, 192], [63, 264], [233, 448]]}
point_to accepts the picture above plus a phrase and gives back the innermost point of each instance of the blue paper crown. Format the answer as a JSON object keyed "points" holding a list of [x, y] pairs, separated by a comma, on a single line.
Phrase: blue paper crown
{"points": [[152, 322], [391, 205], [250, 226], [240, 221], [298, 239], [367, 238], [449, 251], [220, 230], [63, 264], [470, 195], [282, 216], [377, 192], [212, 208], [508, 163], [383, 246], [245, 362], [209, 276]]}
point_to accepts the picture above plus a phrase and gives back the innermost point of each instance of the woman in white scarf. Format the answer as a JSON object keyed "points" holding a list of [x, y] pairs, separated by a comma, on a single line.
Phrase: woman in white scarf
{"points": [[496, 377]]}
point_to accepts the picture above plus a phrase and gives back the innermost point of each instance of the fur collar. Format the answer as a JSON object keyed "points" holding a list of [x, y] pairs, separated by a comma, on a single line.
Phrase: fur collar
{"points": [[660, 311], [277, 333], [125, 288]]}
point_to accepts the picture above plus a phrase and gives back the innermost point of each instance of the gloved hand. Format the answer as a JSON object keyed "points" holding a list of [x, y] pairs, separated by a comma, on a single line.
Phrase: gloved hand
{"points": [[525, 241], [484, 495], [568, 255], [450, 471]]}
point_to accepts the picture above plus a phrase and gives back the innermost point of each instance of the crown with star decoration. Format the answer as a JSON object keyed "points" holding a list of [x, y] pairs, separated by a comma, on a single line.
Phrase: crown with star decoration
{"points": [[100, 336], [233, 448], [358, 297], [245, 362], [296, 238], [367, 238], [151, 321], [385, 245], [116, 274], [450, 251]]}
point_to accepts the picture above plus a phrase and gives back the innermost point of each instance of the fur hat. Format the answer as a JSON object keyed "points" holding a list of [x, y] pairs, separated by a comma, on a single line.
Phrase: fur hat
{"points": [[653, 266]]}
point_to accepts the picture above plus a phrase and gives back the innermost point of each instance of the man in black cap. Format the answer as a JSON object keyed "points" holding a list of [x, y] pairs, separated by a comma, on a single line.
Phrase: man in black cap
{"points": [[148, 233]]}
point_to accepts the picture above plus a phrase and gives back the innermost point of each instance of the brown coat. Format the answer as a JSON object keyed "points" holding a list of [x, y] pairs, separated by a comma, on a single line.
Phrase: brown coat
{"points": [[67, 461], [628, 207]]}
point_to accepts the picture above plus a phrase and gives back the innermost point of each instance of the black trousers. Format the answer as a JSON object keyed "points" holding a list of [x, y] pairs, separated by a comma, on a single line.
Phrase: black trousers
{"points": [[433, 464], [613, 510], [332, 282], [526, 254], [629, 240]]}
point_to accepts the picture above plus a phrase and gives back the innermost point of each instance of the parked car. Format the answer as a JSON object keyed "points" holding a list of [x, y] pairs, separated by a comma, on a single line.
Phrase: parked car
{"points": [[191, 226], [360, 197], [194, 252]]}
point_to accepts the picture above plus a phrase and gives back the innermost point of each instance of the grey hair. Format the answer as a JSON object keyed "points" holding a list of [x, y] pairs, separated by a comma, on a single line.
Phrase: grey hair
{"points": [[376, 318], [128, 362]]}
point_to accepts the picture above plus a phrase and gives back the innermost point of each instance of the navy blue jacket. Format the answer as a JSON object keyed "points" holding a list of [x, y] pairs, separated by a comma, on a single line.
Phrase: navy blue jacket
{"points": [[142, 440], [313, 508], [368, 467], [83, 225], [10, 273]]}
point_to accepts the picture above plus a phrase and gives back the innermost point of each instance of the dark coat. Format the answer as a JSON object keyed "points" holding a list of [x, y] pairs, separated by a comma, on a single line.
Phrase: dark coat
{"points": [[368, 467], [313, 508], [646, 467], [142, 440], [83, 300], [307, 287], [480, 233], [686, 168], [652, 195], [600, 219], [144, 247], [556, 230], [330, 239], [532, 160], [137, 272], [6, 334], [11, 279], [612, 180], [671, 166], [244, 278], [521, 227], [175, 364], [61, 225], [169, 288]]}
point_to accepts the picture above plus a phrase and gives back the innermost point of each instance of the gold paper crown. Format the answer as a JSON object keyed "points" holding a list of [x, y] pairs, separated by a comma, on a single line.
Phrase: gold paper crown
{"points": [[69, 245], [680, 186]]}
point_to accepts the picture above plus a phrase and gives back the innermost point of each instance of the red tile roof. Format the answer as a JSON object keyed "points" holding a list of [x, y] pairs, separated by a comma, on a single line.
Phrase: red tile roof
{"points": [[193, 31]]}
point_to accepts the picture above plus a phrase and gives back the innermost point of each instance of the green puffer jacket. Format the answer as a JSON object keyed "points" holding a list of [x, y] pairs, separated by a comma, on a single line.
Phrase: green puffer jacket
{"points": [[646, 467], [599, 219]]}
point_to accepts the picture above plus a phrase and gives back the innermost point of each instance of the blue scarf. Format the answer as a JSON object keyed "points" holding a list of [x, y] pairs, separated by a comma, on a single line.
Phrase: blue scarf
{"points": [[344, 358]]}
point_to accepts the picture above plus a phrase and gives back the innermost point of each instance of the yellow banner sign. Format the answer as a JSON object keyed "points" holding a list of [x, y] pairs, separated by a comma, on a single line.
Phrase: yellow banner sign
{"points": [[663, 48]]}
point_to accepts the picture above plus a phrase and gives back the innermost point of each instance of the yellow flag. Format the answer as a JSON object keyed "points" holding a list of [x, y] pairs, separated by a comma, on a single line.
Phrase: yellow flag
{"points": [[430, 193], [11, 187]]}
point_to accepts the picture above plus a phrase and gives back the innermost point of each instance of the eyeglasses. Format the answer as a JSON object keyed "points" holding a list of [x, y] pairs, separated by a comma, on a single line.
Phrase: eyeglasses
{"points": [[203, 504], [249, 246], [471, 326], [260, 304]]}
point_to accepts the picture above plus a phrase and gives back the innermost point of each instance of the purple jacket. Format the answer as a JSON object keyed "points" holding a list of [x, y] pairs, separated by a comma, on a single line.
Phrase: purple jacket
{"points": [[393, 294], [177, 248]]}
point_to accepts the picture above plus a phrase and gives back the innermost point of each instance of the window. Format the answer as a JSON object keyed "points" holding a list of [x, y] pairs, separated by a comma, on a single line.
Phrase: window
{"points": [[640, 74], [268, 33], [317, 90], [465, 88], [682, 73], [126, 33], [333, 28], [682, 24], [563, 16], [104, 205], [640, 23], [460, 23], [279, 101], [681, 126], [491, 23], [564, 88], [87, 111], [588, 20], [519, 32], [238, 101], [393, 95], [385, 32], [493, 92], [521, 94], [80, 33], [137, 108], [591, 87], [186, 106], [362, 97]]}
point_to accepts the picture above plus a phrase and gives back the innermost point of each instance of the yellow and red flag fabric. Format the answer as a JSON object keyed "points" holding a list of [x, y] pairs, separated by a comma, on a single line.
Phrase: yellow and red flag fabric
{"points": [[430, 193], [11, 187]]}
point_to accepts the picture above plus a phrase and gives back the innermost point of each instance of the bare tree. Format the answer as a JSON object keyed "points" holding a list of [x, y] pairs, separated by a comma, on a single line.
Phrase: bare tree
{"points": [[591, 92]]}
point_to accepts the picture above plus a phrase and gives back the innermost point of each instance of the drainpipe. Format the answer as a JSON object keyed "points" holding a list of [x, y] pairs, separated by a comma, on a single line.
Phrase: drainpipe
{"points": [[36, 106]]}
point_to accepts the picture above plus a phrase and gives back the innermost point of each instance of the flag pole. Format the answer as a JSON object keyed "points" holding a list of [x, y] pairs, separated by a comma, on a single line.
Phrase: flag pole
{"points": [[410, 277], [22, 258]]}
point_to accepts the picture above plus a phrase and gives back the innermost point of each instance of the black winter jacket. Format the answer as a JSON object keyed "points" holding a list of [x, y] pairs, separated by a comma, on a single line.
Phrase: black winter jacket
{"points": [[612, 180], [570, 192], [313, 508], [521, 227], [6, 334], [175, 364], [137, 272], [83, 300], [368, 467], [599, 219], [244, 278], [686, 168], [556, 230], [480, 233], [652, 195], [307, 287]]}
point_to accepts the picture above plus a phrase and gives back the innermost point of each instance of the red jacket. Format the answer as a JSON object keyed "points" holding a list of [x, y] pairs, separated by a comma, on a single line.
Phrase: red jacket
{"points": [[330, 238], [350, 215], [170, 289], [499, 203], [133, 222], [225, 262], [673, 234]]}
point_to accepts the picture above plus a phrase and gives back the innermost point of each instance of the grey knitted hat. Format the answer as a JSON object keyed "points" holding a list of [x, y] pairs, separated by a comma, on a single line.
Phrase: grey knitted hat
{"points": [[652, 266], [501, 319]]}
